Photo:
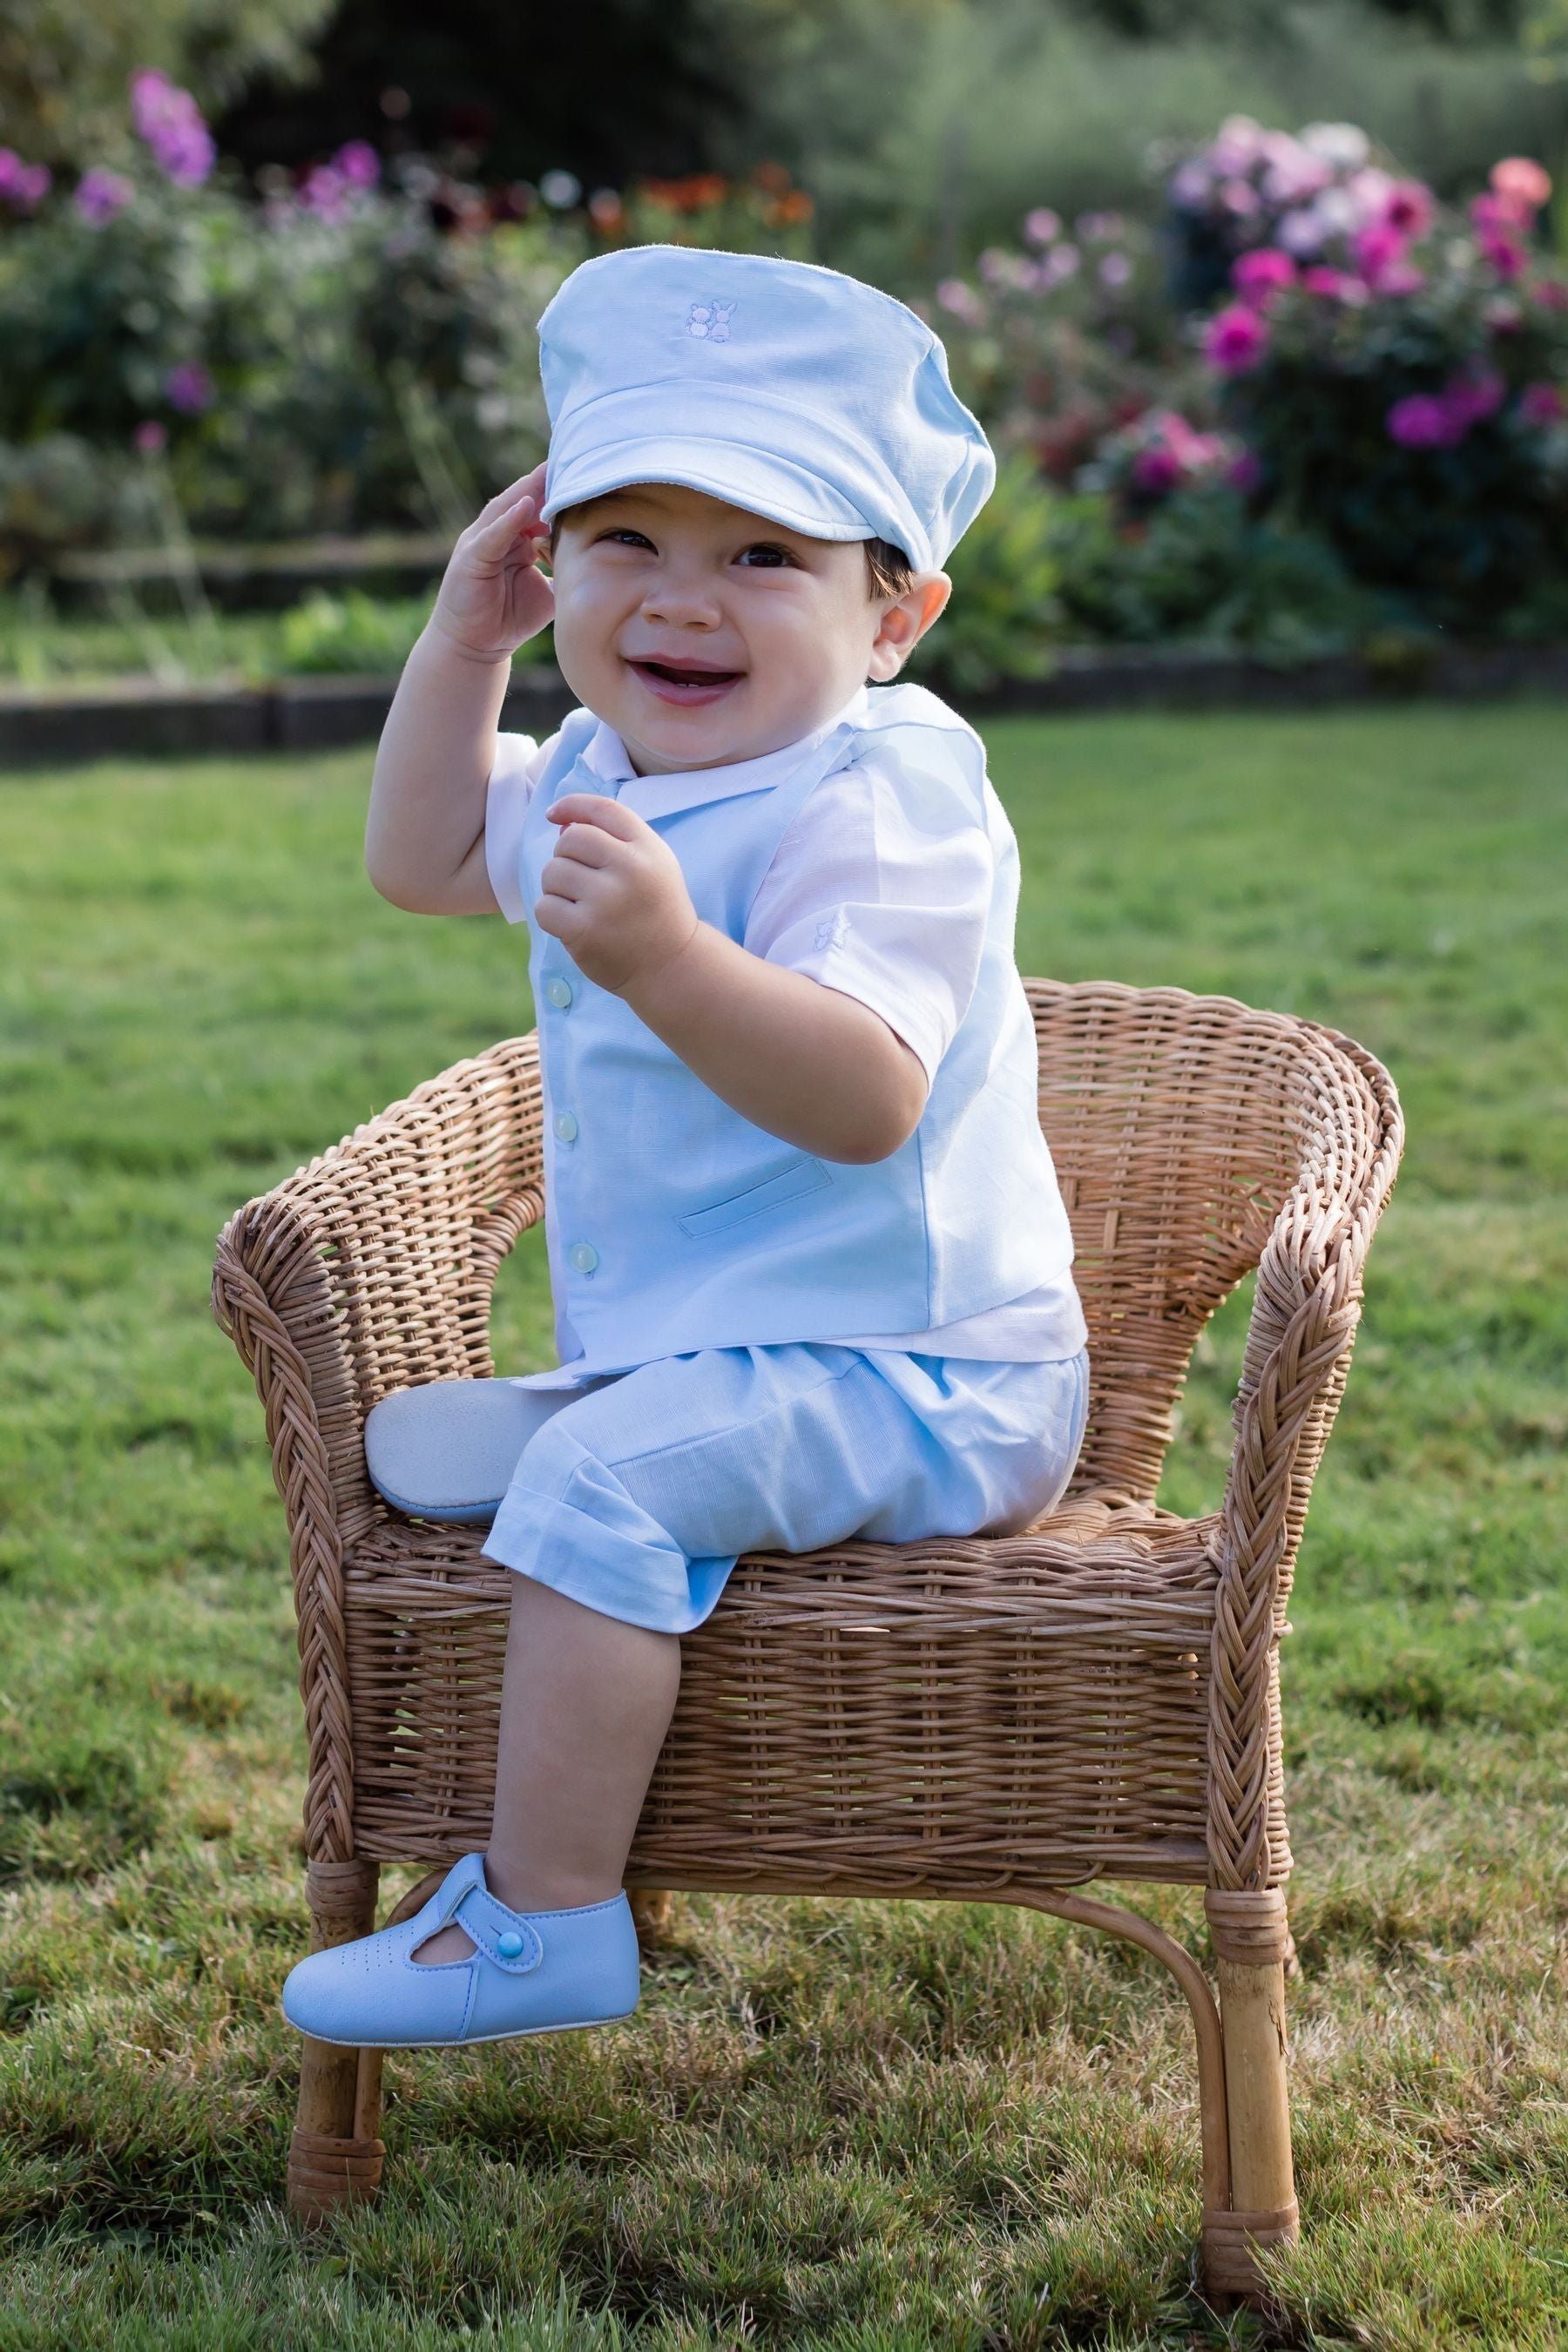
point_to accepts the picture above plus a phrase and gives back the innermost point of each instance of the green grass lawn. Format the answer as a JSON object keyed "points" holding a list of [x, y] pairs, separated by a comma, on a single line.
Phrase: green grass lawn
{"points": [[838, 2123]]}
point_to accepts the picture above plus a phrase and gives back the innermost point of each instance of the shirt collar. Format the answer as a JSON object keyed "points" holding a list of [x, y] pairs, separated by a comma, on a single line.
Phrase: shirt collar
{"points": [[655, 796]]}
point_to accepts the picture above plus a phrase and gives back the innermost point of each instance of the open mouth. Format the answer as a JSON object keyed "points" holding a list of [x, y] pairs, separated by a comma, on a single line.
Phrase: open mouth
{"points": [[686, 683]]}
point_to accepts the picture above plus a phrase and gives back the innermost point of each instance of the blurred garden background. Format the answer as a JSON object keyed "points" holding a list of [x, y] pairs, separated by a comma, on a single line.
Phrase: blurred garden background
{"points": [[1266, 309]]}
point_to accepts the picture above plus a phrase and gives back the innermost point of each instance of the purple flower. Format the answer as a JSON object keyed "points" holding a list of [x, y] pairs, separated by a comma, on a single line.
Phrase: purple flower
{"points": [[1240, 197], [1244, 472], [1042, 226], [22, 184], [1261, 275], [1235, 340], [1115, 270], [325, 193], [1541, 405], [171, 123], [189, 388], [150, 436], [1471, 399], [1423, 420], [1189, 185], [100, 194], [357, 163]]}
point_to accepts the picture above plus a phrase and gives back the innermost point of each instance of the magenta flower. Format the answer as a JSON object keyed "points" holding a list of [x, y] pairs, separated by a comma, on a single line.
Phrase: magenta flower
{"points": [[100, 194], [1156, 470], [1379, 250], [1541, 405], [1235, 340], [1261, 276], [325, 193], [1411, 208], [150, 436], [189, 388], [1423, 420], [357, 163], [1505, 254], [171, 123]]}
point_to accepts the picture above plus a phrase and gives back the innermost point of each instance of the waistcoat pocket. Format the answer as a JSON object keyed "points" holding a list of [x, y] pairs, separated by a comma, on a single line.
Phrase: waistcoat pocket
{"points": [[802, 1175]]}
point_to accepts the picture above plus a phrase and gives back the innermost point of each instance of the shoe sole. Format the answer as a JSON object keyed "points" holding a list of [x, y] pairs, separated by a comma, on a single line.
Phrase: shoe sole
{"points": [[466, 2040]]}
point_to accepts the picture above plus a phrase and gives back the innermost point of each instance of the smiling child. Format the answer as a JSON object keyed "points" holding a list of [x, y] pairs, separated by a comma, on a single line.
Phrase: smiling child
{"points": [[810, 1265]]}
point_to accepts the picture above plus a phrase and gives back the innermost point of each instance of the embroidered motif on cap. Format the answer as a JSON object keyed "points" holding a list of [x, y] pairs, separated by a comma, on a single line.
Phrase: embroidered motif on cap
{"points": [[709, 321]]}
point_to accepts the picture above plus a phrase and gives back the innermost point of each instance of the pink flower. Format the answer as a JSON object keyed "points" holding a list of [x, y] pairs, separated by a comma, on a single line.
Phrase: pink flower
{"points": [[1503, 315], [1115, 270], [1541, 405], [1235, 340], [100, 194], [357, 163], [1304, 232], [1099, 228], [1423, 421], [1042, 226], [150, 436], [189, 388], [1334, 285], [1189, 185], [961, 299], [1401, 277], [1522, 182], [1240, 197], [1261, 276], [1411, 208]]}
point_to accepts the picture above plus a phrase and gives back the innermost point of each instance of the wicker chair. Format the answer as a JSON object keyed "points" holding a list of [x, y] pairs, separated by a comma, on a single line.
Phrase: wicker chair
{"points": [[1001, 1719]]}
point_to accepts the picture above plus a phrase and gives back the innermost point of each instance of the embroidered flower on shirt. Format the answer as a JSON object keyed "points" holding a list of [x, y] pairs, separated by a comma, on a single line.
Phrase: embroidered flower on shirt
{"points": [[709, 321], [833, 929]]}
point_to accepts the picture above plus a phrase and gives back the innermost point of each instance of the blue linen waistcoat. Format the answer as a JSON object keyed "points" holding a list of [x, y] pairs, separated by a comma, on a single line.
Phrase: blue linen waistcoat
{"points": [[672, 1222]]}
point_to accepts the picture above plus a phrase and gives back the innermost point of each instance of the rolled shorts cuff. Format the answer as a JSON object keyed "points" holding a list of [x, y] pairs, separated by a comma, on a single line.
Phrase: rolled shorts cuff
{"points": [[654, 1585]]}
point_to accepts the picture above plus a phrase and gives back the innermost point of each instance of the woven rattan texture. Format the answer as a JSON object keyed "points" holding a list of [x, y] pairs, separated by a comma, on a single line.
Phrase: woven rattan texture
{"points": [[1097, 1695]]}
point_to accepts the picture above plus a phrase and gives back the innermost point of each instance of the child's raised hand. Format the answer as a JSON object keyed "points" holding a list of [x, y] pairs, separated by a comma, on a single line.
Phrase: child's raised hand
{"points": [[493, 597], [613, 893]]}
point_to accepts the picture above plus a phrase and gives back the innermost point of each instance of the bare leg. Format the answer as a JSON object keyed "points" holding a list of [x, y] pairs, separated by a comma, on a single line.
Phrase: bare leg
{"points": [[585, 1703]]}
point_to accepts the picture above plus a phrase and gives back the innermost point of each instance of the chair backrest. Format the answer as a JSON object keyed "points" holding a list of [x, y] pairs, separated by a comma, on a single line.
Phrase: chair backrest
{"points": [[1176, 1126]]}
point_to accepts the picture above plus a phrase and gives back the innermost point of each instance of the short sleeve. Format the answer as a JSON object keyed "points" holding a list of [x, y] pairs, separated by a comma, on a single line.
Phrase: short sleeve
{"points": [[513, 774], [882, 888]]}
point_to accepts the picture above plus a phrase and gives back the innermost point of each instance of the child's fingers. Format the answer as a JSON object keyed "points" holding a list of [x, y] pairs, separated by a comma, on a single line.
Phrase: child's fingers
{"points": [[595, 808]]}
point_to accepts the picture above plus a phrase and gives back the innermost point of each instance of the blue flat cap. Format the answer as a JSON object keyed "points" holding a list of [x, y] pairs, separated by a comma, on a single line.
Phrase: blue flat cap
{"points": [[792, 391]]}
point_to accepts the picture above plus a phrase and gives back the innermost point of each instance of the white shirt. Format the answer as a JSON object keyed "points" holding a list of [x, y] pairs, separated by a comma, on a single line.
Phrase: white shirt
{"points": [[858, 899]]}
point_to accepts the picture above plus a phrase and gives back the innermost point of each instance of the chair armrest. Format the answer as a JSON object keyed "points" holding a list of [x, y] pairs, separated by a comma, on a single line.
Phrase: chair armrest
{"points": [[368, 1270], [1298, 1346]]}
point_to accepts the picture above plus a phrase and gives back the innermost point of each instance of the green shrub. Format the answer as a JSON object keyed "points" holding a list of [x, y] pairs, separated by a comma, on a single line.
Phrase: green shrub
{"points": [[1004, 610]]}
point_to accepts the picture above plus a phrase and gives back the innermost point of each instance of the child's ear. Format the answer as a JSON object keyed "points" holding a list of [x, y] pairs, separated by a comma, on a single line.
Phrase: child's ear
{"points": [[905, 621]]}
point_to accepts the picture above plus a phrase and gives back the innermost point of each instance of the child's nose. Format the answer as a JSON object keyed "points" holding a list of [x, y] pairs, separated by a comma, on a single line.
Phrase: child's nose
{"points": [[686, 599]]}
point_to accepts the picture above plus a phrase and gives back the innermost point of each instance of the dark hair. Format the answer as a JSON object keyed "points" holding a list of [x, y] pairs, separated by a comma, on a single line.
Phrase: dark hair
{"points": [[889, 568]]}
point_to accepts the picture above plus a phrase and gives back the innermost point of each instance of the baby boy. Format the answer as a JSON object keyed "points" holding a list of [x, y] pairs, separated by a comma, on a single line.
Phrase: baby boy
{"points": [[810, 1266]]}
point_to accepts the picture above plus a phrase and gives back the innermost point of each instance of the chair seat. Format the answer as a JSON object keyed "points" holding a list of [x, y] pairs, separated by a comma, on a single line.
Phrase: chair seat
{"points": [[952, 1716]]}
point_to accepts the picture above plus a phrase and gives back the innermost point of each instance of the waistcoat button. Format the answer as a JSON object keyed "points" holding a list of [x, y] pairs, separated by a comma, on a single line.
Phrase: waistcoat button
{"points": [[565, 1126], [583, 1256], [559, 991]]}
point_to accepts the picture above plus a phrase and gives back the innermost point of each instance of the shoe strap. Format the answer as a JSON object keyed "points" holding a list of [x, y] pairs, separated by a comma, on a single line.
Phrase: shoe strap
{"points": [[462, 1878], [486, 1921]]}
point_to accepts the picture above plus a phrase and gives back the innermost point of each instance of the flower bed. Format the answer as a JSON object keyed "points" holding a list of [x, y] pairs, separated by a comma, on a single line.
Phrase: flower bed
{"points": [[1303, 407]]}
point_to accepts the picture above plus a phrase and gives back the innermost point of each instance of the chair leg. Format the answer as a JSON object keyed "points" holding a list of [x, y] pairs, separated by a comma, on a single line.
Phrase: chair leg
{"points": [[1251, 1940], [650, 1913], [335, 2155]]}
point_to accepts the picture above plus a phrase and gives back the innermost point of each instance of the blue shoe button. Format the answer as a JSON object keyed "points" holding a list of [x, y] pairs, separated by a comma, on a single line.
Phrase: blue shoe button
{"points": [[509, 1945]]}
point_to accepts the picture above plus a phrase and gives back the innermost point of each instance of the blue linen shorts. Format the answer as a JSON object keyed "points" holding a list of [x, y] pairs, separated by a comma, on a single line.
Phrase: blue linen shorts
{"points": [[636, 1492]]}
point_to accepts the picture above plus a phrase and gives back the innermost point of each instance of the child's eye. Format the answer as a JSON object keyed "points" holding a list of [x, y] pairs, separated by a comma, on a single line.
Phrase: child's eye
{"points": [[765, 555], [627, 537]]}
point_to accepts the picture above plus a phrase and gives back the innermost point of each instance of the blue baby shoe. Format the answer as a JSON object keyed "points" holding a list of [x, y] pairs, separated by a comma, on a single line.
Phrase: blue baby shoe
{"points": [[529, 1972]]}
